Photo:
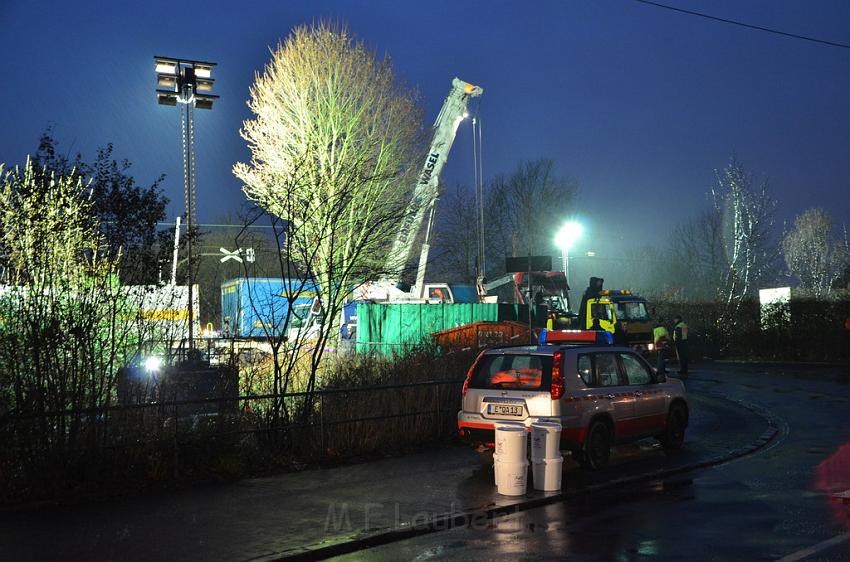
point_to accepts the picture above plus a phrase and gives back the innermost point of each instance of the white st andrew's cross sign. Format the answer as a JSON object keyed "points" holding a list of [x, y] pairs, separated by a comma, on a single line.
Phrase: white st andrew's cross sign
{"points": [[236, 255]]}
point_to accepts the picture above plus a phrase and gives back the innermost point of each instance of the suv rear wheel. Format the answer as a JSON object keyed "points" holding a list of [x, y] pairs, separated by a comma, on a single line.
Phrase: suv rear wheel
{"points": [[597, 447], [674, 433]]}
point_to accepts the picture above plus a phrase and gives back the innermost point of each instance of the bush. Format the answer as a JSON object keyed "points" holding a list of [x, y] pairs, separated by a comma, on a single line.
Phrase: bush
{"points": [[366, 405], [805, 330]]}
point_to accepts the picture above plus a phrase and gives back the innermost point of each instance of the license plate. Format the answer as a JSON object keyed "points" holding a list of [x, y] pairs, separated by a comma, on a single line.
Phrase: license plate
{"points": [[506, 410]]}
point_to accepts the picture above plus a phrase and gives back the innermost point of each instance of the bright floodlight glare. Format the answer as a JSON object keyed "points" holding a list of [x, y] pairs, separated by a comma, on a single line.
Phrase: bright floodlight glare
{"points": [[568, 234], [202, 71], [152, 364], [164, 67]]}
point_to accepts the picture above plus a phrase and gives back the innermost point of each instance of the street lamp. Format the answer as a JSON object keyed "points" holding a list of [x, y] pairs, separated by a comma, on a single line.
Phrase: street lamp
{"points": [[565, 238], [186, 82]]}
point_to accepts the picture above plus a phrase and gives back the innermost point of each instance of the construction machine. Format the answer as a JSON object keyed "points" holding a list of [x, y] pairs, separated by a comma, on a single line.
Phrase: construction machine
{"points": [[548, 288], [422, 205]]}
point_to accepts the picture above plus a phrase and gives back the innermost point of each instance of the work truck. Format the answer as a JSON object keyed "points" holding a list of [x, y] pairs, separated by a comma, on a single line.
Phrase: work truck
{"points": [[620, 312]]}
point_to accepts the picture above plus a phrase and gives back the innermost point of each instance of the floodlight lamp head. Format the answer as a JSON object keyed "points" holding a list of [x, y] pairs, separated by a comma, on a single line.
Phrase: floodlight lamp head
{"points": [[165, 66], [568, 234]]}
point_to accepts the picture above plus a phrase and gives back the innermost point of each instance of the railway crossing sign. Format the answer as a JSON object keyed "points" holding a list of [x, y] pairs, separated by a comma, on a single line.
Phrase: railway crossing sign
{"points": [[236, 255]]}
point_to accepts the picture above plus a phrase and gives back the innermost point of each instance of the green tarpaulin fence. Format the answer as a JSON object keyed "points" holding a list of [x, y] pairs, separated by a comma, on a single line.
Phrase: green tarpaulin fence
{"points": [[394, 328]]}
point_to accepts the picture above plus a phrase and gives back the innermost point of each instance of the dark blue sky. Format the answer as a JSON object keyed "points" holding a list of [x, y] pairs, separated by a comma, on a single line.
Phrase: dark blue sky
{"points": [[639, 104]]}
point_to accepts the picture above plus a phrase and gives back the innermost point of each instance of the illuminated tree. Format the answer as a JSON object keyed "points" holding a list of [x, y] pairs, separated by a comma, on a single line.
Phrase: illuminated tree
{"points": [[726, 251], [812, 252], [746, 213], [335, 145], [63, 329]]}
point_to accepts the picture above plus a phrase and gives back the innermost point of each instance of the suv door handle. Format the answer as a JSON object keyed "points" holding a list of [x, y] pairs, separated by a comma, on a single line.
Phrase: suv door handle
{"points": [[609, 396], [638, 394]]}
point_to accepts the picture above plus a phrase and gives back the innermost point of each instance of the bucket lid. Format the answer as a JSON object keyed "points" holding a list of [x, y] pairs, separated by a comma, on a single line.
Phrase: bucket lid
{"points": [[510, 428], [546, 425]]}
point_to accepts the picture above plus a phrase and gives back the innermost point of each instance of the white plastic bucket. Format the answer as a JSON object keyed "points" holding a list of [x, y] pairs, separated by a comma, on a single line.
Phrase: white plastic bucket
{"points": [[511, 443], [545, 440], [512, 477], [546, 474]]}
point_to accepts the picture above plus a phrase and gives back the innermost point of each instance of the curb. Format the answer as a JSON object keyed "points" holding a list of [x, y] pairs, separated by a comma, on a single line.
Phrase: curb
{"points": [[447, 521], [773, 363]]}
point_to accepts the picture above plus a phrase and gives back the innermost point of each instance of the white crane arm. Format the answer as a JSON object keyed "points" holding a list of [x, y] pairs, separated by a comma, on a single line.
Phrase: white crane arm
{"points": [[425, 193]]}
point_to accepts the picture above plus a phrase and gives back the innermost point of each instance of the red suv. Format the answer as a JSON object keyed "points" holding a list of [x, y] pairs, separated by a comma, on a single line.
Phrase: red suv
{"points": [[602, 395]]}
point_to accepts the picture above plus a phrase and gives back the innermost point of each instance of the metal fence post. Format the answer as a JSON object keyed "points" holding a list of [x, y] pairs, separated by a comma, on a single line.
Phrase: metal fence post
{"points": [[322, 420], [439, 420], [175, 459]]}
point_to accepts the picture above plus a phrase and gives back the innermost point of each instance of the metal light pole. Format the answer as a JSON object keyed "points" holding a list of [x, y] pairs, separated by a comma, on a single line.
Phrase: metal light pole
{"points": [[186, 82], [565, 259]]}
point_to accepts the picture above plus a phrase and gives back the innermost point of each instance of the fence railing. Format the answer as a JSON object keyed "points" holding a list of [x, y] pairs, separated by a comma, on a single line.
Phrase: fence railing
{"points": [[171, 404], [188, 436]]}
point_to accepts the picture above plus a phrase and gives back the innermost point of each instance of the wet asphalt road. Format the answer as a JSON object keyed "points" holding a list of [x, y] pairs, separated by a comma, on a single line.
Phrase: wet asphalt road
{"points": [[265, 518], [775, 503]]}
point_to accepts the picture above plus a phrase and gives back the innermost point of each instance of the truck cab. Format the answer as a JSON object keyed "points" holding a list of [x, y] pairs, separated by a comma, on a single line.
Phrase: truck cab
{"points": [[619, 312]]}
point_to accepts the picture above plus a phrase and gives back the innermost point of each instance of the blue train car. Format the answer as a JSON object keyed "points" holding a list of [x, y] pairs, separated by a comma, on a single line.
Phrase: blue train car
{"points": [[265, 307]]}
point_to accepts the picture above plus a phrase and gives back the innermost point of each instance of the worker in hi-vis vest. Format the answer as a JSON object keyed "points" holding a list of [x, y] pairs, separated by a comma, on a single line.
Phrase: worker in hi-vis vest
{"points": [[660, 338], [680, 340]]}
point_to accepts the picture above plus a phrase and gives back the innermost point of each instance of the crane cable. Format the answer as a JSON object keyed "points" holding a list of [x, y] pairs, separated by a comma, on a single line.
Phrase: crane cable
{"points": [[481, 192], [478, 174]]}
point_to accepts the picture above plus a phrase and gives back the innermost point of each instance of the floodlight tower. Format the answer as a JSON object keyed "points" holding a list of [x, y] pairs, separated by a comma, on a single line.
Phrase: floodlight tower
{"points": [[186, 82]]}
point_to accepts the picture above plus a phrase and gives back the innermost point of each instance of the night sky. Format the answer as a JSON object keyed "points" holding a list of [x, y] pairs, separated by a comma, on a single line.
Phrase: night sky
{"points": [[638, 103]]}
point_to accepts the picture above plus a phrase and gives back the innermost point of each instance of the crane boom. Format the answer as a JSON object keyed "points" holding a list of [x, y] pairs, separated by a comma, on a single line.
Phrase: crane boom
{"points": [[425, 193]]}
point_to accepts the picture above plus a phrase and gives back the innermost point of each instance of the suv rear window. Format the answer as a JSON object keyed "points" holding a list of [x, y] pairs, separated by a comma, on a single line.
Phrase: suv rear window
{"points": [[599, 369], [513, 372]]}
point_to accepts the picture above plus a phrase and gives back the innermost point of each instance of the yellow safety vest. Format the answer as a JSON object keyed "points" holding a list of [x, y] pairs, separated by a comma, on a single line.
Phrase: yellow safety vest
{"points": [[681, 326]]}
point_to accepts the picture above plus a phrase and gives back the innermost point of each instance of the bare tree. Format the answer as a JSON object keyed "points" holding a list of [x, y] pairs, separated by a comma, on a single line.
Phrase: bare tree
{"points": [[527, 208], [457, 235], [697, 257], [456, 238], [813, 253]]}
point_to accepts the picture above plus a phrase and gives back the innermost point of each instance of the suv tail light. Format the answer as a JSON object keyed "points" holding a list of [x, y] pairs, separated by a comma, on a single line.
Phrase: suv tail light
{"points": [[557, 387], [472, 371]]}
